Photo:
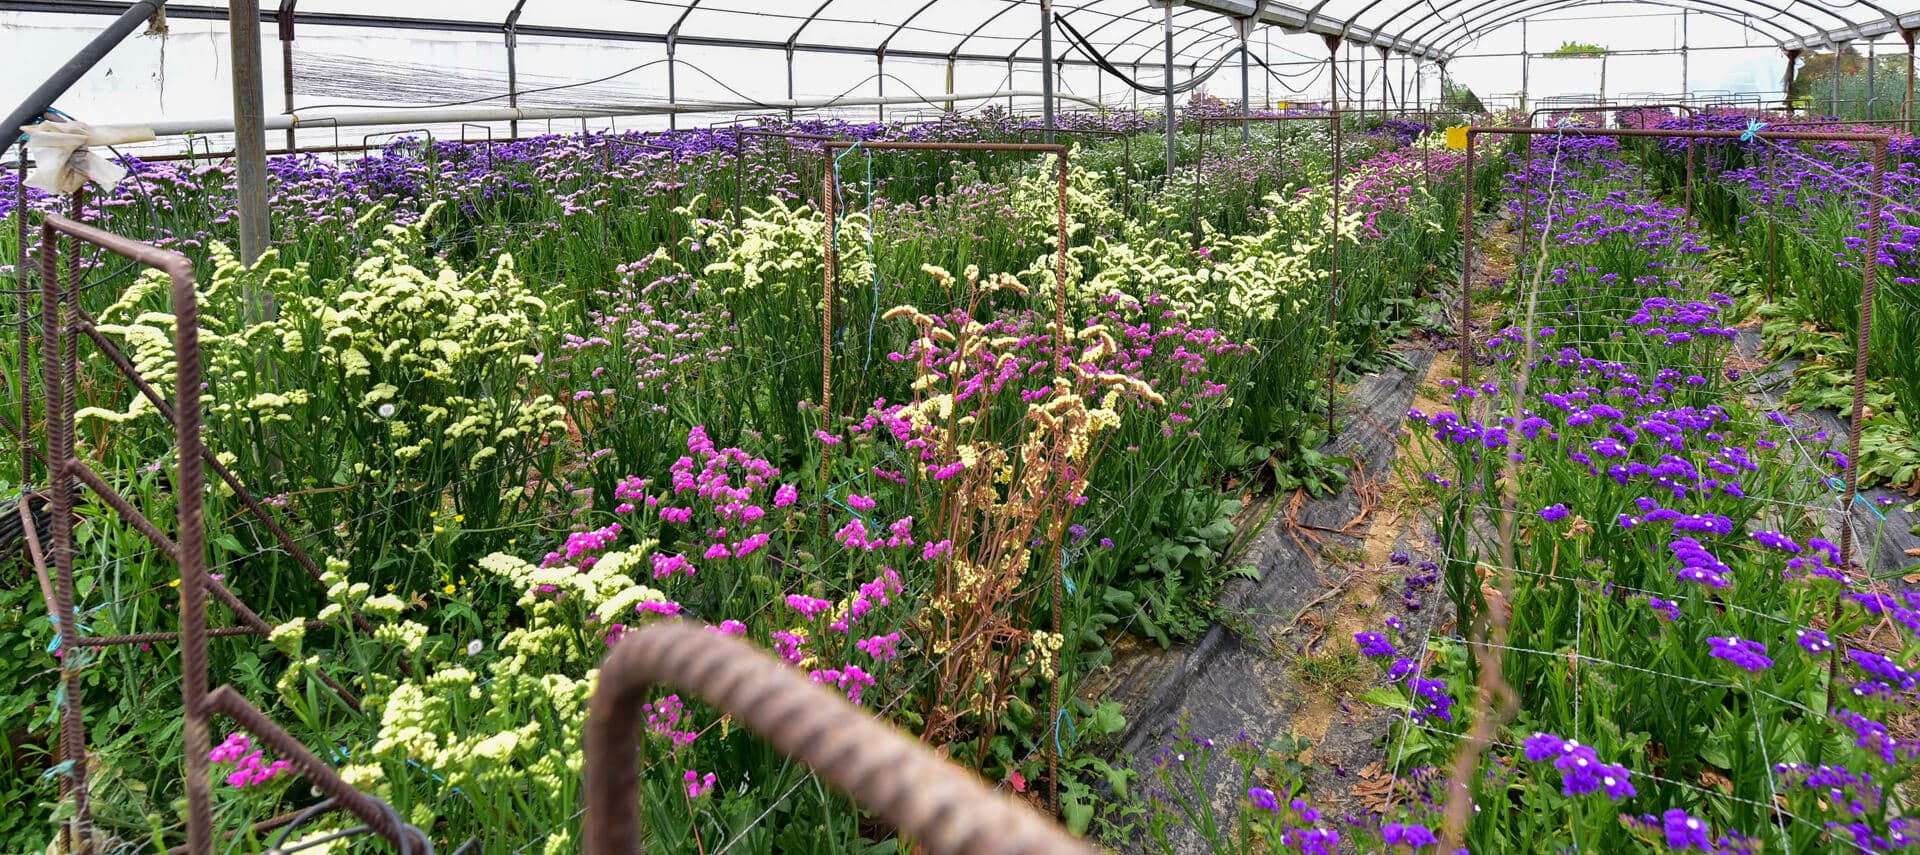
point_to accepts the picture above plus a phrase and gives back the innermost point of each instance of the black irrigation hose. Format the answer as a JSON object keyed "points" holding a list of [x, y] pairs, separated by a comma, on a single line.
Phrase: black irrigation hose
{"points": [[1099, 59]]}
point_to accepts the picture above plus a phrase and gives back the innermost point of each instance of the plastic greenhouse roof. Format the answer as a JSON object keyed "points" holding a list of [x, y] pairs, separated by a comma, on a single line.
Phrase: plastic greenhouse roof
{"points": [[1125, 32]]}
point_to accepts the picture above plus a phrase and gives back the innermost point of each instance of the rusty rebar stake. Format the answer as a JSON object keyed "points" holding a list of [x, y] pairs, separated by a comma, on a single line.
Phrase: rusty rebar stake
{"points": [[944, 809]]}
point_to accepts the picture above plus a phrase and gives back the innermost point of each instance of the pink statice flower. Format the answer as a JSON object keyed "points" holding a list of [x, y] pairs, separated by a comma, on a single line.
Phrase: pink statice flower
{"points": [[810, 607], [697, 785], [883, 648]]}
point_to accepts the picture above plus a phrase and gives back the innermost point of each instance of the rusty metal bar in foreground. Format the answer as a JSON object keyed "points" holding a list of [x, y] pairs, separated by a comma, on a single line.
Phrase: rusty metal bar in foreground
{"points": [[944, 809]]}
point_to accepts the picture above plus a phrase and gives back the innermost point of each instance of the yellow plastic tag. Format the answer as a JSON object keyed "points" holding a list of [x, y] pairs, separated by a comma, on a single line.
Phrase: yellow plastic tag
{"points": [[1457, 138]]}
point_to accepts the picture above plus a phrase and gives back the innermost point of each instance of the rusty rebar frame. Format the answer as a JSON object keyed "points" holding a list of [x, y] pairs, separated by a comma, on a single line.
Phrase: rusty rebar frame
{"points": [[1333, 119], [1692, 115], [1868, 273], [830, 268], [62, 324], [943, 808], [740, 156]]}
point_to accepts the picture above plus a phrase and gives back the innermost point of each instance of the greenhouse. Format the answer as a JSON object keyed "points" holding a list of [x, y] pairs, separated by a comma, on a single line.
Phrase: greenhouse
{"points": [[820, 426]]}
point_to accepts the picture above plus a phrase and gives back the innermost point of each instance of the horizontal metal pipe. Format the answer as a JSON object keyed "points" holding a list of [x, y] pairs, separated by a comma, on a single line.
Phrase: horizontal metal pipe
{"points": [[1050, 148], [1492, 130], [477, 113]]}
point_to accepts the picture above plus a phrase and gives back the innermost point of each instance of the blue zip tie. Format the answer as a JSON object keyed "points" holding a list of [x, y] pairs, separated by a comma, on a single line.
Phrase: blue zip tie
{"points": [[1859, 500], [1063, 716], [1753, 127], [53, 643]]}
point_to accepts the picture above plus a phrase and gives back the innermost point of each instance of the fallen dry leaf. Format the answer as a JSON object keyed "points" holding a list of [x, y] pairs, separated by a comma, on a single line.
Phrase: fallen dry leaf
{"points": [[1374, 789], [1710, 778]]}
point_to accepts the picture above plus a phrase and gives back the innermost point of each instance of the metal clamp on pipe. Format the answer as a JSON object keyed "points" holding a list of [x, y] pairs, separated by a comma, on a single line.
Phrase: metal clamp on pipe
{"points": [[943, 808]]}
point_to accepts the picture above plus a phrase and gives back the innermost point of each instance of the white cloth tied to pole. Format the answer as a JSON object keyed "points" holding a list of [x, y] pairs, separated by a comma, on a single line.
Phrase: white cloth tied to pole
{"points": [[62, 161]]}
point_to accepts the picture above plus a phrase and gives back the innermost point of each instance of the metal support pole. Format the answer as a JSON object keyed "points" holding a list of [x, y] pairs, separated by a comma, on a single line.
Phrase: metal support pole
{"points": [[513, 65], [1685, 88], [1167, 84], [880, 78], [1047, 70], [1246, 97], [1906, 101], [1773, 259], [1383, 84], [1603, 80], [1526, 62], [673, 87], [249, 136], [1870, 266], [1361, 96], [1466, 264], [22, 270], [1010, 86], [1402, 96], [1136, 92], [54, 342], [1333, 73], [1786, 84], [1333, 270], [950, 62], [285, 19], [1266, 56], [1834, 73], [1873, 54], [1333, 225], [790, 96]]}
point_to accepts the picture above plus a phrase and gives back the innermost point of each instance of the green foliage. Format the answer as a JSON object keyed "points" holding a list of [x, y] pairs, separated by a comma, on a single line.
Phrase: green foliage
{"points": [[1577, 49]]}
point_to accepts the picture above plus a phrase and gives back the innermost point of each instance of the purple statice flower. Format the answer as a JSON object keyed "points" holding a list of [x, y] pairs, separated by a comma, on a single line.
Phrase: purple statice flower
{"points": [[1373, 644], [1684, 832], [1747, 654], [1874, 737], [1776, 540], [1581, 771], [1697, 564], [1882, 669], [1401, 667], [1430, 700], [1263, 799], [1312, 841], [1411, 835], [1399, 558], [1812, 640], [1664, 608], [1553, 513], [1541, 747]]}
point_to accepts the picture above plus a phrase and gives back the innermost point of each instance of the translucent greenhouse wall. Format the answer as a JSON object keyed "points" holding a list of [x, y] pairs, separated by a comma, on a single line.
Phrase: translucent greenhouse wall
{"points": [[185, 74]]}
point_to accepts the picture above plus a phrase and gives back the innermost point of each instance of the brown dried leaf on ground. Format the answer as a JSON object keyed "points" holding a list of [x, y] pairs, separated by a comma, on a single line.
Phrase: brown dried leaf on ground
{"points": [[1374, 789], [1714, 780]]}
